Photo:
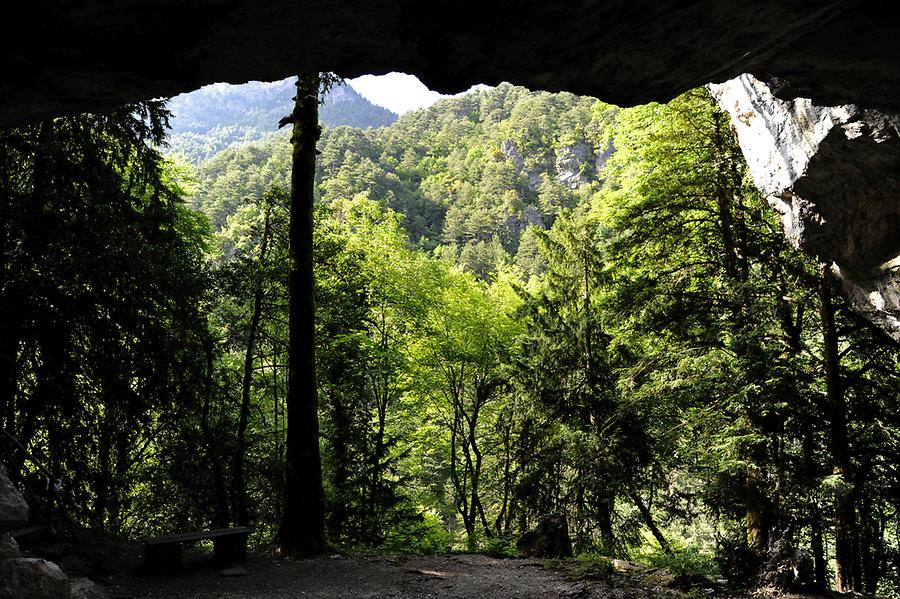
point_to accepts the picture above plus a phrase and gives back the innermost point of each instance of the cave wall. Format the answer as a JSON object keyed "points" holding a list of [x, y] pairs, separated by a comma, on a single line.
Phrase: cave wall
{"points": [[829, 171], [833, 174]]}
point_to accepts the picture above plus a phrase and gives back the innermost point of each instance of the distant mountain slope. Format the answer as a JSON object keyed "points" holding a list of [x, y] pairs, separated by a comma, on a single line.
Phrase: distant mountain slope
{"points": [[219, 116], [471, 175]]}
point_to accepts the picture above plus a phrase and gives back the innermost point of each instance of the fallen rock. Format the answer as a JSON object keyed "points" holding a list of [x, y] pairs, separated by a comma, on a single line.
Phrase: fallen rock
{"points": [[32, 578], [8, 547], [622, 566], [85, 588], [233, 572], [550, 538], [659, 578]]}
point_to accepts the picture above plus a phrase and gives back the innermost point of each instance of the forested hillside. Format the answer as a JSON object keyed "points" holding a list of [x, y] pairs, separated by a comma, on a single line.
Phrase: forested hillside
{"points": [[469, 174], [219, 116], [526, 304]]}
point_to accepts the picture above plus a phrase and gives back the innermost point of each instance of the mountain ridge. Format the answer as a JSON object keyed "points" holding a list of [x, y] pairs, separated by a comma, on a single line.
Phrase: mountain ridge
{"points": [[219, 116]]}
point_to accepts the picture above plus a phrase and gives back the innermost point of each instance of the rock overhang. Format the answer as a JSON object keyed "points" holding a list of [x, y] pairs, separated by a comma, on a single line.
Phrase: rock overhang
{"points": [[66, 56]]}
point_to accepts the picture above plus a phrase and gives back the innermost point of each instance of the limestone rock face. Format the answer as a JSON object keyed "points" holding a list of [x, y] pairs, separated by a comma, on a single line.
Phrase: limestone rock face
{"points": [[570, 163], [602, 158], [32, 578], [13, 509], [509, 148], [833, 173]]}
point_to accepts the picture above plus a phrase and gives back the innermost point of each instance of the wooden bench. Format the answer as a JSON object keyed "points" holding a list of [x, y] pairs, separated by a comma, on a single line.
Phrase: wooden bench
{"points": [[229, 544]]}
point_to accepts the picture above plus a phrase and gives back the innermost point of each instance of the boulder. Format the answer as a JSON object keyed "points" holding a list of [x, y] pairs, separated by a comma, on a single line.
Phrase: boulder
{"points": [[787, 568], [32, 578], [624, 567], [13, 509], [85, 588], [550, 538]]}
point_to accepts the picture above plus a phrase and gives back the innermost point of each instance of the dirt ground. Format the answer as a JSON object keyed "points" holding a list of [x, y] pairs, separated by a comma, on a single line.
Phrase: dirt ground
{"points": [[457, 576]]}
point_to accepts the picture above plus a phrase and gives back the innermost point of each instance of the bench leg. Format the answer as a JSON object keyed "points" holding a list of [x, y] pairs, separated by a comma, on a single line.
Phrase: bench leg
{"points": [[230, 549], [162, 557]]}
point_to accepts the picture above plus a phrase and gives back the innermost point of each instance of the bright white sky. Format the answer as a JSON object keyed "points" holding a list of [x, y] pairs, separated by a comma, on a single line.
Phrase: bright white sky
{"points": [[397, 92]]}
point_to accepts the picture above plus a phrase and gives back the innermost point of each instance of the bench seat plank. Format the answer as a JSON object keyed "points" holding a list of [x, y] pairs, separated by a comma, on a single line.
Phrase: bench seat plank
{"points": [[187, 537]]}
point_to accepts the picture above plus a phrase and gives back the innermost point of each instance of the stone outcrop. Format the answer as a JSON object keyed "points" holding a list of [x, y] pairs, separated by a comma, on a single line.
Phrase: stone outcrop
{"points": [[8, 547], [571, 162], [85, 588], [601, 158], [13, 509], [572, 165], [511, 151], [786, 568], [833, 173]]}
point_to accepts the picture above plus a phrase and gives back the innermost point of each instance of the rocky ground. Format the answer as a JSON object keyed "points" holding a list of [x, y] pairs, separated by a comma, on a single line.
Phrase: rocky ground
{"points": [[369, 577], [457, 576]]}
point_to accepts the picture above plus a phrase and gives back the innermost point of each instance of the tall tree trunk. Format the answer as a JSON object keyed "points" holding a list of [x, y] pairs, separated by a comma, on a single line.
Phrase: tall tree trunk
{"points": [[381, 394], [242, 514], [221, 515], [811, 473], [817, 546], [844, 508], [9, 334], [506, 428], [733, 233], [870, 541], [460, 483], [341, 465], [604, 523], [104, 476], [476, 476], [303, 519], [651, 523]]}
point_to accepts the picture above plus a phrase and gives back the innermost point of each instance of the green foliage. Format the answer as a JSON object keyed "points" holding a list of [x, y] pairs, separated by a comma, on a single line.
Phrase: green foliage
{"points": [[527, 304], [101, 284], [428, 537], [687, 559], [502, 546]]}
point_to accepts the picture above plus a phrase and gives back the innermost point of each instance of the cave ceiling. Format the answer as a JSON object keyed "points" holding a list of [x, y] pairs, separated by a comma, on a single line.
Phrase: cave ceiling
{"points": [[63, 56]]}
